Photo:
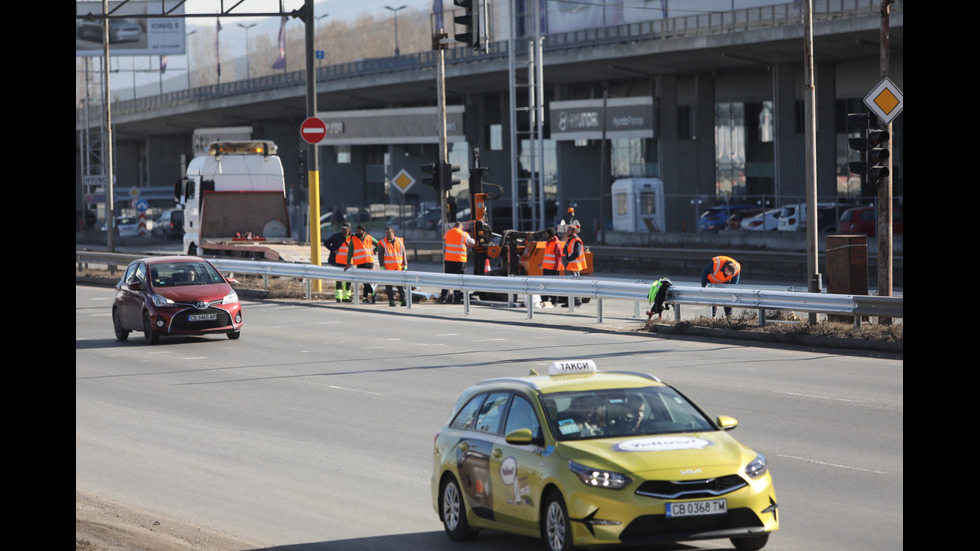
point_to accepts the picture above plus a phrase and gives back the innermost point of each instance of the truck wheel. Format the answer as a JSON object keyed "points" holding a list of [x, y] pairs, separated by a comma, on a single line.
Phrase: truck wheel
{"points": [[192, 250]]}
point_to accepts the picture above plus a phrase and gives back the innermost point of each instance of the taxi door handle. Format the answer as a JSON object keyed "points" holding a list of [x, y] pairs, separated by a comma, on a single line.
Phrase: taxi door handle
{"points": [[497, 453]]}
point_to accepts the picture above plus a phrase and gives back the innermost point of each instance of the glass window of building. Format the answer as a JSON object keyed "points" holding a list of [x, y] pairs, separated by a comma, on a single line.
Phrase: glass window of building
{"points": [[633, 158], [745, 151]]}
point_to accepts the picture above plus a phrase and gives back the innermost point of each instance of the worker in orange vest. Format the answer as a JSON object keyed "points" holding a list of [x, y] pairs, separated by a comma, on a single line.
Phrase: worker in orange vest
{"points": [[337, 245], [722, 270], [573, 254], [391, 256], [551, 264], [454, 258], [361, 255]]}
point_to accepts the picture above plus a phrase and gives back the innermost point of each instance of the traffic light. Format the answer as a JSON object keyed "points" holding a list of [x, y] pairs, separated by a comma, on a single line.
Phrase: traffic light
{"points": [[470, 20], [432, 180], [877, 156], [873, 145], [446, 176], [860, 144]]}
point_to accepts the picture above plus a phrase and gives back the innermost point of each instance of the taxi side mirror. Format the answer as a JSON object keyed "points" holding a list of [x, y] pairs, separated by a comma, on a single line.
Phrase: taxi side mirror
{"points": [[520, 437], [726, 422]]}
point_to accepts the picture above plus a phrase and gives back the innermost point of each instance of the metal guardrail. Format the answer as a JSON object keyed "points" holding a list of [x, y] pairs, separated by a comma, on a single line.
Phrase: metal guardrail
{"points": [[600, 289]]}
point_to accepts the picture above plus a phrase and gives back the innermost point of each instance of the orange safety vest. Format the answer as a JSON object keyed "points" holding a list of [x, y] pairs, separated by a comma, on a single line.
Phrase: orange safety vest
{"points": [[552, 255], [576, 264], [394, 253], [717, 276], [341, 256], [362, 250], [455, 245]]}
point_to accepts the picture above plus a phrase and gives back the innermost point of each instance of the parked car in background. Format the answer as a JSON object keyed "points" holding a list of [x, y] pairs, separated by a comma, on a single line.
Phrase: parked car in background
{"points": [[736, 218], [170, 225], [764, 221], [864, 221], [126, 226], [716, 218], [793, 217]]}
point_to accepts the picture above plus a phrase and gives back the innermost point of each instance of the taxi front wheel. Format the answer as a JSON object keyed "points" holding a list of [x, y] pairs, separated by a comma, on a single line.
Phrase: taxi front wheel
{"points": [[557, 530], [454, 512], [751, 543]]}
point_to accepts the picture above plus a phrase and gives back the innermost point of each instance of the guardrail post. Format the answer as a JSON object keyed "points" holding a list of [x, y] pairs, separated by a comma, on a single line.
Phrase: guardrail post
{"points": [[466, 301], [762, 317], [598, 308]]}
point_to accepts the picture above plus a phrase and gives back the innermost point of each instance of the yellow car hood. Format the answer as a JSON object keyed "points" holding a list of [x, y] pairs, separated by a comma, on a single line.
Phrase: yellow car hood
{"points": [[689, 452]]}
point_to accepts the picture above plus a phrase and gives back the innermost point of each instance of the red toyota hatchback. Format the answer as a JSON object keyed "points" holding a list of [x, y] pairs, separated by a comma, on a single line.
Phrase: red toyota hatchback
{"points": [[175, 295]]}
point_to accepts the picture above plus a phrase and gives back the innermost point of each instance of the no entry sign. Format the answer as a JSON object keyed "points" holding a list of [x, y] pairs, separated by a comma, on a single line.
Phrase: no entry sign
{"points": [[313, 130]]}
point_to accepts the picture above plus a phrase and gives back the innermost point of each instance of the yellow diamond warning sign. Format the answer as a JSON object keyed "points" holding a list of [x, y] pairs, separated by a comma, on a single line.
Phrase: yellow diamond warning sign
{"points": [[885, 100]]}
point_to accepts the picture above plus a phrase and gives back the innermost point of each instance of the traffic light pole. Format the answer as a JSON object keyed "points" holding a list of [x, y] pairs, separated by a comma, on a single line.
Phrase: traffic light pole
{"points": [[313, 180], [885, 188]]}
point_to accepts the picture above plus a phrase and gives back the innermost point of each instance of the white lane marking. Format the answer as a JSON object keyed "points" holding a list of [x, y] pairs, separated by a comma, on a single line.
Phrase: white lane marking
{"points": [[833, 464], [355, 390]]}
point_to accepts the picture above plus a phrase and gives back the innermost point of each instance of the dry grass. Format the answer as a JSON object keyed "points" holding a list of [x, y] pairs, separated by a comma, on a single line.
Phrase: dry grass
{"points": [[778, 322]]}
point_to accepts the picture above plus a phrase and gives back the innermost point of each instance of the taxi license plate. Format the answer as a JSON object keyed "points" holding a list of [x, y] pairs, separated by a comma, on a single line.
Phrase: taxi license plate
{"points": [[202, 317], [697, 508]]}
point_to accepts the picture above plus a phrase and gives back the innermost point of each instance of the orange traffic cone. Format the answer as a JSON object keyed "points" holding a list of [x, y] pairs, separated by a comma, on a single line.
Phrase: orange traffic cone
{"points": [[486, 266]]}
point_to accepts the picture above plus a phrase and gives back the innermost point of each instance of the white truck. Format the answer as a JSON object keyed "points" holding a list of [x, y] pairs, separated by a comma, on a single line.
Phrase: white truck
{"points": [[234, 203]]}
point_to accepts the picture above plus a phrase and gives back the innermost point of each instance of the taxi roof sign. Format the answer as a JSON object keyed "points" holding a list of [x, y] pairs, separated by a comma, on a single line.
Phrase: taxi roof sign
{"points": [[570, 367]]}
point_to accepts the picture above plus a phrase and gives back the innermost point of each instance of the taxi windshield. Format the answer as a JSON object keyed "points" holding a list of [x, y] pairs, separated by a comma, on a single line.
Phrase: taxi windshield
{"points": [[621, 412]]}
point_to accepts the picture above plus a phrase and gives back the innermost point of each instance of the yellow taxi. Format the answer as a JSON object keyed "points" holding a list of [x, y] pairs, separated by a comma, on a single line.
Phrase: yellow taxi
{"points": [[580, 457]]}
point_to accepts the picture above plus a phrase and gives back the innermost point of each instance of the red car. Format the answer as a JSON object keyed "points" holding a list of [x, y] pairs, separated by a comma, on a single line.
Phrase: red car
{"points": [[175, 295], [864, 221]]}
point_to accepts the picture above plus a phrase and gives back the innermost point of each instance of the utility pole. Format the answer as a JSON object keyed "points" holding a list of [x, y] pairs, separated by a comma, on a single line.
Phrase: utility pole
{"points": [[110, 223], [815, 283], [885, 187]]}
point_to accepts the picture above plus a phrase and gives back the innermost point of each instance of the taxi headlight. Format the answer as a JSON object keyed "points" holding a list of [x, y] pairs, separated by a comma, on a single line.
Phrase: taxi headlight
{"points": [[756, 467], [160, 301], [599, 478], [230, 298]]}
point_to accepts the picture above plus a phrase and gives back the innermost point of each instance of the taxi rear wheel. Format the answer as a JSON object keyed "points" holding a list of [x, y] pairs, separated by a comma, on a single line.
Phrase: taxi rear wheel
{"points": [[557, 530], [454, 512]]}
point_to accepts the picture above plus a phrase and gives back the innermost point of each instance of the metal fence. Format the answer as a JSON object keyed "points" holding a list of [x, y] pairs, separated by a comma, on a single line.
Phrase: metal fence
{"points": [[565, 286]]}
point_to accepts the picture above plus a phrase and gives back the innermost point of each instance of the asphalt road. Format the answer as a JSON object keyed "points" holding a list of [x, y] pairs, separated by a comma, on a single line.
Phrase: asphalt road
{"points": [[314, 430]]}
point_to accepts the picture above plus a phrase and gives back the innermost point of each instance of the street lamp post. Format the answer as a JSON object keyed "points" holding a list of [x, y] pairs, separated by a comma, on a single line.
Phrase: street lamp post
{"points": [[318, 18], [188, 54], [395, 11], [248, 71]]}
